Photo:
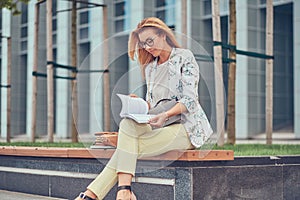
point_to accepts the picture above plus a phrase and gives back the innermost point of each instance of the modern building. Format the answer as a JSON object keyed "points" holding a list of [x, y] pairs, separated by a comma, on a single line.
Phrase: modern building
{"points": [[123, 16]]}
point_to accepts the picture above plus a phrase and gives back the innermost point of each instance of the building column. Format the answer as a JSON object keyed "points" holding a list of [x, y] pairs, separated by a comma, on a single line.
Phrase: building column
{"points": [[6, 28], [31, 14], [96, 108], [184, 38], [241, 106], [135, 77], [296, 15], [63, 114]]}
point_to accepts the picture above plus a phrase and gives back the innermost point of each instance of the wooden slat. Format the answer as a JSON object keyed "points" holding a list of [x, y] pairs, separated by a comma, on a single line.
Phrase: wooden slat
{"points": [[188, 155], [34, 151]]}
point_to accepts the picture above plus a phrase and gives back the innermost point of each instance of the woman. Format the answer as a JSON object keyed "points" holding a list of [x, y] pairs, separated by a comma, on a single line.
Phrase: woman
{"points": [[170, 72]]}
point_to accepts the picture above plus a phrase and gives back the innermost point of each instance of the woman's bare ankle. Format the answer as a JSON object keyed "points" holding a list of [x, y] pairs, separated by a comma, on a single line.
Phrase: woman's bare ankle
{"points": [[123, 195], [90, 194]]}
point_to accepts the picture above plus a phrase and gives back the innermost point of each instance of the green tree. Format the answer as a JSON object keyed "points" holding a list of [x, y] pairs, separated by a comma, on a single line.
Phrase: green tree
{"points": [[12, 5]]}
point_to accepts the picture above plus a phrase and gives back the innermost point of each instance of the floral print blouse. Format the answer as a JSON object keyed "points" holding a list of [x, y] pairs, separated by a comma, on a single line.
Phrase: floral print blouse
{"points": [[183, 86]]}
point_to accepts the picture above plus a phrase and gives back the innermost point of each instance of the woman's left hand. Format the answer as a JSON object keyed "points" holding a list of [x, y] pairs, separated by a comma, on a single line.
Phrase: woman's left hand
{"points": [[159, 120]]}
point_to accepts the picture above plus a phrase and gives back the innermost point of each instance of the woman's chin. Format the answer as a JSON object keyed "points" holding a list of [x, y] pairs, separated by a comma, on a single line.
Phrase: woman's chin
{"points": [[154, 53]]}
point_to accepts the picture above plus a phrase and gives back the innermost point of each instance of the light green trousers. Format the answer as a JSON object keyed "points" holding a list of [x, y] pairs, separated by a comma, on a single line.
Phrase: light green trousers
{"points": [[138, 141]]}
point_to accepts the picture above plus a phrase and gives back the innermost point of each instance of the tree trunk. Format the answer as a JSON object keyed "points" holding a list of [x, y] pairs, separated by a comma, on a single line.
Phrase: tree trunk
{"points": [[231, 76], [219, 92], [184, 23], [8, 133], [74, 82], [106, 81], [35, 67], [269, 71], [50, 83]]}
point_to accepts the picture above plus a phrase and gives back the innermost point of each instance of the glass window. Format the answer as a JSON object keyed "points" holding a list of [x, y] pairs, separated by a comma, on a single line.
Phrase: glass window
{"points": [[160, 3], [0, 20], [161, 14], [84, 17], [262, 2], [165, 10], [120, 9], [24, 32], [119, 25], [54, 39], [121, 15], [23, 45], [54, 7], [24, 13], [54, 24], [84, 33], [207, 7]]}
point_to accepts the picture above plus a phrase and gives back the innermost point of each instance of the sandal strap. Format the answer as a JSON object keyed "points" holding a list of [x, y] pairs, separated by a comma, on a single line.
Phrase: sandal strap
{"points": [[124, 187], [85, 197]]}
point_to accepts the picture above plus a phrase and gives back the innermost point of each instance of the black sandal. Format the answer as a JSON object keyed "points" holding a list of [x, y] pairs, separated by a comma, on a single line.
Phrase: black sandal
{"points": [[85, 197], [127, 187], [124, 187]]}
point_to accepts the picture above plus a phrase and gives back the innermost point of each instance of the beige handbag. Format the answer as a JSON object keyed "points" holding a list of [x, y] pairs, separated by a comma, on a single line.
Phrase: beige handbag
{"points": [[164, 105]]}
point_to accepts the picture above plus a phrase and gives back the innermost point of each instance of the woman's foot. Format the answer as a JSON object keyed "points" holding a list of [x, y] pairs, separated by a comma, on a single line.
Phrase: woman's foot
{"points": [[87, 195], [124, 193]]}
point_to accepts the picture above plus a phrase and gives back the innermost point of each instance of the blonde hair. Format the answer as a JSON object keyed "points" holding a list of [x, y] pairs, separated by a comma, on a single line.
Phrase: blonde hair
{"points": [[160, 27]]}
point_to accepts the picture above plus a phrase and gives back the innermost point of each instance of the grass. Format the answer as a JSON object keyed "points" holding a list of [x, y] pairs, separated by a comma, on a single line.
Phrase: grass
{"points": [[45, 144], [262, 149], [239, 149]]}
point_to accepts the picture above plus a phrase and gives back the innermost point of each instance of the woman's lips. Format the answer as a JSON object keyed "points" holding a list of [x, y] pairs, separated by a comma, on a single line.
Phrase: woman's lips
{"points": [[152, 52]]}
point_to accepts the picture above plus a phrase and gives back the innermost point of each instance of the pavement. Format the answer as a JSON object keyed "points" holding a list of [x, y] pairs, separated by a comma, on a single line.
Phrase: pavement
{"points": [[8, 195]]}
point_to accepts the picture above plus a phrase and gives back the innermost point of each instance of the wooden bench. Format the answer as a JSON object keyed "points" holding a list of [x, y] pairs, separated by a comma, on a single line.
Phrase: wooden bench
{"points": [[104, 147], [187, 155]]}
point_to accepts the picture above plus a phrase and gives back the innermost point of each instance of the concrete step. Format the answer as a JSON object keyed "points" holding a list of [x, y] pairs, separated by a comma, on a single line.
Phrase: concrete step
{"points": [[67, 185], [9, 195]]}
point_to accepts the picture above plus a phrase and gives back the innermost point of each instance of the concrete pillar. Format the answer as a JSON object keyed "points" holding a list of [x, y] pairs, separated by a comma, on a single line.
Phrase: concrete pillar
{"points": [[242, 71], [30, 39], [96, 87], [6, 31], [63, 103], [296, 29], [135, 77]]}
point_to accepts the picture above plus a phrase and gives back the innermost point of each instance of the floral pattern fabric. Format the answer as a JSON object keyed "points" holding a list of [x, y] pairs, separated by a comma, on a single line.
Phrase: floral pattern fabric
{"points": [[183, 86]]}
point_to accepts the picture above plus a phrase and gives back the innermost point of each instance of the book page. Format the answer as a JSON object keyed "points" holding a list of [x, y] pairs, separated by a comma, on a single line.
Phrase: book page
{"points": [[140, 118], [132, 105]]}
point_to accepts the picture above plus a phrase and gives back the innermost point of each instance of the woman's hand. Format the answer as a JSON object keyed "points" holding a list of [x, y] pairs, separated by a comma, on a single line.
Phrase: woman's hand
{"points": [[133, 95], [159, 120]]}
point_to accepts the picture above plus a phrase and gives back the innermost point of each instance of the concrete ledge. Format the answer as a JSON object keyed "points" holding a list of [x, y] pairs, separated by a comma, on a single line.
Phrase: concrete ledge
{"points": [[242, 178], [188, 155]]}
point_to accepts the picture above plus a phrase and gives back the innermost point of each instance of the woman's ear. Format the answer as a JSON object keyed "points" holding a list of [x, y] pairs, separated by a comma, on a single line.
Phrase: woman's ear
{"points": [[164, 37]]}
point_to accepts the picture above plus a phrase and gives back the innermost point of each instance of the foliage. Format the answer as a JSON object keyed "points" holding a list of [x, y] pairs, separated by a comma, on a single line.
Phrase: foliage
{"points": [[12, 5], [262, 149]]}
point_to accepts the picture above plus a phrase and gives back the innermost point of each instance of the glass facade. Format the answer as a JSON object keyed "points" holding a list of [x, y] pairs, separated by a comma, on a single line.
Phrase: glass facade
{"points": [[165, 10], [122, 19], [121, 15]]}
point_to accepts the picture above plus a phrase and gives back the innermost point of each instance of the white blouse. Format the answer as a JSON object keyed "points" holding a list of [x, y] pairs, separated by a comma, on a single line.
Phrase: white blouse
{"points": [[178, 78], [158, 82]]}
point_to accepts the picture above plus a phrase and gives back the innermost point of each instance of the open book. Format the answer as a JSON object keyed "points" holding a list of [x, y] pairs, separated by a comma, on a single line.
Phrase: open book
{"points": [[134, 108]]}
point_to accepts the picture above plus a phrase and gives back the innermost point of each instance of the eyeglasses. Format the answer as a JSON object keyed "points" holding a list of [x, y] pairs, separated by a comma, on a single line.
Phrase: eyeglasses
{"points": [[149, 42]]}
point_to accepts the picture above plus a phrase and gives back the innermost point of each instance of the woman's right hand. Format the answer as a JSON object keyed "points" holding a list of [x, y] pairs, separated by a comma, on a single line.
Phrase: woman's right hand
{"points": [[133, 95], [159, 120]]}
